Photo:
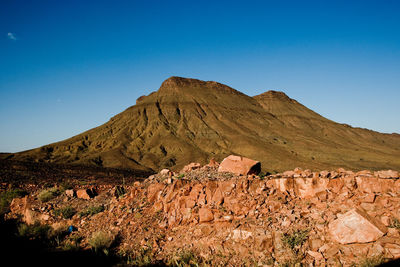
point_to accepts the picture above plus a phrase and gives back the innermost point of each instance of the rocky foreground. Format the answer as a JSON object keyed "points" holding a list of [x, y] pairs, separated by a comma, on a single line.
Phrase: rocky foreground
{"points": [[299, 217]]}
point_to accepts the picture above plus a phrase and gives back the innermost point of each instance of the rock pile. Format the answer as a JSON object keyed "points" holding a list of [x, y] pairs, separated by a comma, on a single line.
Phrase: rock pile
{"points": [[316, 218]]}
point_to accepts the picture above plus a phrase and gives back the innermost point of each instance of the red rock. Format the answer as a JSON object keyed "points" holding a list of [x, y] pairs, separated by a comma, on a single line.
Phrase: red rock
{"points": [[205, 215], [356, 226], [158, 206], [387, 174], [316, 255], [239, 165], [364, 173], [153, 191], [86, 193], [324, 174], [309, 187], [164, 172], [369, 198], [213, 163], [190, 167], [374, 185], [218, 197], [281, 184], [19, 205], [289, 174], [70, 192]]}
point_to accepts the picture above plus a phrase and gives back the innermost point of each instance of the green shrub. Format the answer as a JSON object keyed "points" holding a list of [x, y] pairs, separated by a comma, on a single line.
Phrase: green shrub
{"points": [[34, 231], [48, 194], [295, 240], [101, 241], [7, 196], [65, 212], [92, 210]]}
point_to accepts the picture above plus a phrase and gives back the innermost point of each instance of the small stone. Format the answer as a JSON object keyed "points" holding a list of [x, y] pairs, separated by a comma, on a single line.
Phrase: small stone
{"points": [[205, 215]]}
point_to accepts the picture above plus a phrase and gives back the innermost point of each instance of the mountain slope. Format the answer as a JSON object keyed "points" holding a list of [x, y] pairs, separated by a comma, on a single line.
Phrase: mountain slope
{"points": [[191, 120]]}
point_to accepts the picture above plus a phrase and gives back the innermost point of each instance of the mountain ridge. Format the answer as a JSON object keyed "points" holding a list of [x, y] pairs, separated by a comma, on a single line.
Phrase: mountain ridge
{"points": [[188, 120]]}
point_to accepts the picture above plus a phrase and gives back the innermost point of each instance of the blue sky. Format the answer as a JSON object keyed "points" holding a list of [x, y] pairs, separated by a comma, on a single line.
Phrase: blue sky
{"points": [[68, 66]]}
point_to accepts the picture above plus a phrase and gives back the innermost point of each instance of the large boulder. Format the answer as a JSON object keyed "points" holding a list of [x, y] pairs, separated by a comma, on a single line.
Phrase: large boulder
{"points": [[356, 226], [239, 165]]}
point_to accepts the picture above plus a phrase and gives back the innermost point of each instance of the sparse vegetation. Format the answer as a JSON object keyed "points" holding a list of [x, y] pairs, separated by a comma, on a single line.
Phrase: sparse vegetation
{"points": [[7, 196], [180, 176], [144, 257], [48, 194], [295, 239], [92, 210], [34, 231], [101, 241], [395, 223], [185, 258], [370, 262], [66, 212]]}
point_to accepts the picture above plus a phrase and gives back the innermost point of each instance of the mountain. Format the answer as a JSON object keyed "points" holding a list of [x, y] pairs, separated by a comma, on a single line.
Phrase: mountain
{"points": [[189, 120]]}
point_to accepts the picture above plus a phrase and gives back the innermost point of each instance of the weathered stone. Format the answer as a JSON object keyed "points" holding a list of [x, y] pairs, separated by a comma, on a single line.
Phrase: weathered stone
{"points": [[238, 234], [356, 226], [165, 172], [70, 193], [153, 192], [387, 174], [309, 187], [316, 255], [213, 163], [365, 173], [218, 197], [205, 215], [19, 205], [239, 165], [369, 198], [190, 167], [85, 194], [374, 185], [288, 174]]}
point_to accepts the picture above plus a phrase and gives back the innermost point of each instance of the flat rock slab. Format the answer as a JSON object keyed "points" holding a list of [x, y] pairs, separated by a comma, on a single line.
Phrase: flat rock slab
{"points": [[356, 226]]}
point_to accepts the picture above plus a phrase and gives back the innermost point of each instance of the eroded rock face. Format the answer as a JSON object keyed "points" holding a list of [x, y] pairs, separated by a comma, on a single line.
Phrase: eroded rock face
{"points": [[239, 165], [356, 226]]}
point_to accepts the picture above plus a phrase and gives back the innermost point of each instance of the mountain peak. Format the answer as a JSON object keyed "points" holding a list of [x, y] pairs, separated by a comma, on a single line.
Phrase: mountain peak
{"points": [[272, 94], [181, 84]]}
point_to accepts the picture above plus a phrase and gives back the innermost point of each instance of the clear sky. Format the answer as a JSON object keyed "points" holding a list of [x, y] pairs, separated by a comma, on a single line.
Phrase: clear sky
{"points": [[68, 66]]}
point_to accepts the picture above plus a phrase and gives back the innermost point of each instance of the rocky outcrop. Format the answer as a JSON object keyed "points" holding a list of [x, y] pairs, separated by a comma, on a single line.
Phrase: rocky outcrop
{"points": [[317, 218]]}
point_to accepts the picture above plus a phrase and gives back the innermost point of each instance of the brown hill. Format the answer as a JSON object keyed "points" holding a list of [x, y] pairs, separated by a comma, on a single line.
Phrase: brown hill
{"points": [[190, 120]]}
